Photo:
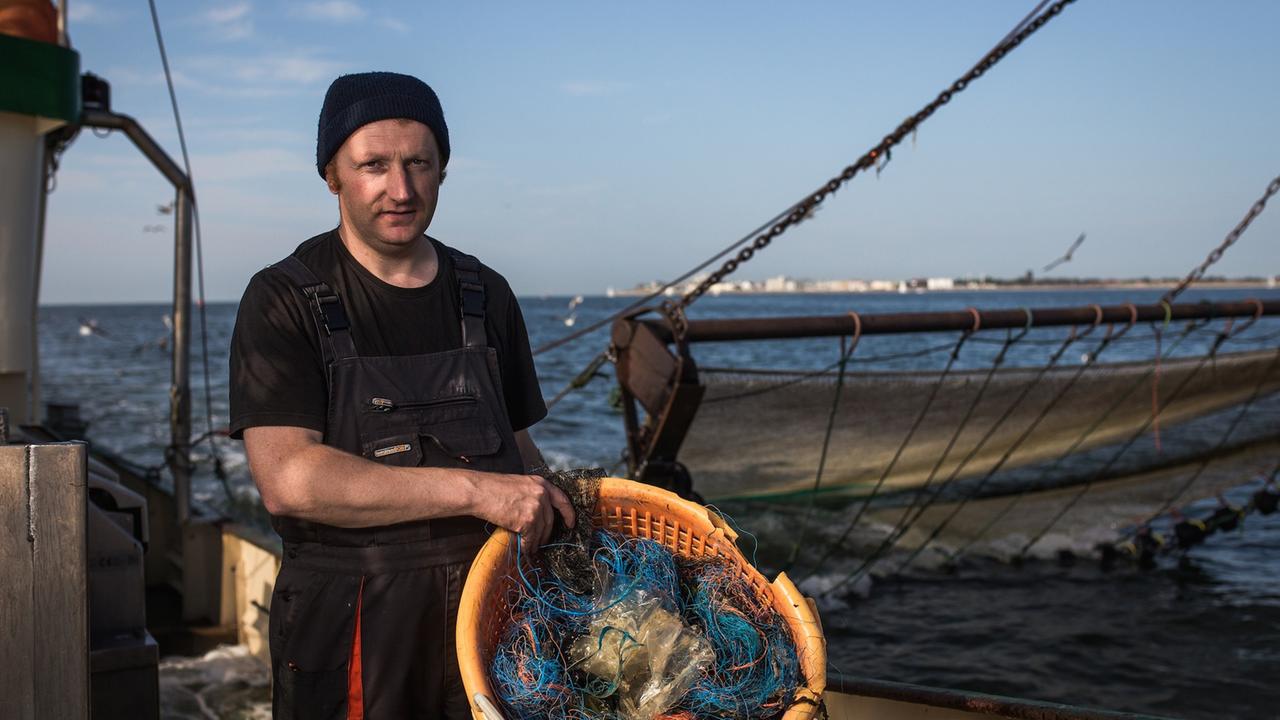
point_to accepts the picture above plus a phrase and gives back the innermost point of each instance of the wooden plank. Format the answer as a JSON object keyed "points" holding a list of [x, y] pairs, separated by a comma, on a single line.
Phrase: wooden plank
{"points": [[257, 561], [17, 605], [60, 625]]}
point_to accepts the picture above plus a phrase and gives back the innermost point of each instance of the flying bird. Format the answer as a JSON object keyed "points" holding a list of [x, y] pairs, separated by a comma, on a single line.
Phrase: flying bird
{"points": [[1066, 257], [89, 326]]}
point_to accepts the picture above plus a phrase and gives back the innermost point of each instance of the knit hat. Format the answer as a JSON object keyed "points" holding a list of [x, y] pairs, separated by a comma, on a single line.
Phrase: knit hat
{"points": [[356, 100]]}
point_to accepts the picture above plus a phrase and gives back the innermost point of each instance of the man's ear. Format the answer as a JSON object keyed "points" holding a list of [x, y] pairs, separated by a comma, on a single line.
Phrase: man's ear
{"points": [[444, 172], [331, 178]]}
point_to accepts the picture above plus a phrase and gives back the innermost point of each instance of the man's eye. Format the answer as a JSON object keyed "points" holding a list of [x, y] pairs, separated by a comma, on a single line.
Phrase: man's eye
{"points": [[372, 165]]}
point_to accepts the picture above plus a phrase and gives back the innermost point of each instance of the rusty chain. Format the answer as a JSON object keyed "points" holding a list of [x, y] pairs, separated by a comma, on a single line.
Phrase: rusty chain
{"points": [[1227, 242], [877, 156]]}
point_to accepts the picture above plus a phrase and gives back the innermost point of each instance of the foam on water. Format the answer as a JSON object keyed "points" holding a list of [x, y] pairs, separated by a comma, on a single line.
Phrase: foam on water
{"points": [[227, 683]]}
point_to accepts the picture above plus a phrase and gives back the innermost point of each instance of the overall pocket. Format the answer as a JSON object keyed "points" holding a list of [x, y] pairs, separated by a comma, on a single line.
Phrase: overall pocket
{"points": [[313, 621], [455, 431]]}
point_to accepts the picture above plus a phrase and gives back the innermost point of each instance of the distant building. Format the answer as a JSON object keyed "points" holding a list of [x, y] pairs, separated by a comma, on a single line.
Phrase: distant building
{"points": [[837, 286], [730, 286], [940, 284], [781, 283]]}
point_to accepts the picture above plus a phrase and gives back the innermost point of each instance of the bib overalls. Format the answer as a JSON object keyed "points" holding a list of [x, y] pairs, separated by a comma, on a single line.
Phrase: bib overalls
{"points": [[362, 620]]}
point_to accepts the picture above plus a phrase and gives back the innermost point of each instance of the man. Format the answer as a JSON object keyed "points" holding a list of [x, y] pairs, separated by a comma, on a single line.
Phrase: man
{"points": [[383, 385]]}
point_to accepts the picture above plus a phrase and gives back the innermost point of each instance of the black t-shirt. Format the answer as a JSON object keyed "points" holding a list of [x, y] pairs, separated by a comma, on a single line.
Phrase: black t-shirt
{"points": [[277, 370]]}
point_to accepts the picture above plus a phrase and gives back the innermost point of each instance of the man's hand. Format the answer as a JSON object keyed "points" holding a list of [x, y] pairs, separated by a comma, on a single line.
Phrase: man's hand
{"points": [[524, 504]]}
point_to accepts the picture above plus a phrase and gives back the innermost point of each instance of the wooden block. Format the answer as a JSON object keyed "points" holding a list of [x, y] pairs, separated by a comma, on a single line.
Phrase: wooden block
{"points": [[60, 624], [17, 605]]}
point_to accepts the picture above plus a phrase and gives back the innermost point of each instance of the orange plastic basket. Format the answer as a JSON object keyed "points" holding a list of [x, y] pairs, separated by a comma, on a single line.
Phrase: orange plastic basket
{"points": [[638, 510]]}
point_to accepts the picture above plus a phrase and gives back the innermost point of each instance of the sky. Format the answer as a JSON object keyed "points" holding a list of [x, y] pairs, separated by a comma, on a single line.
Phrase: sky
{"points": [[609, 144]]}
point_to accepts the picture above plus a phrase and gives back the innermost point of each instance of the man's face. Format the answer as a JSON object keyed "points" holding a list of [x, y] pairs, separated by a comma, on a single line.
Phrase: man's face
{"points": [[387, 179]]}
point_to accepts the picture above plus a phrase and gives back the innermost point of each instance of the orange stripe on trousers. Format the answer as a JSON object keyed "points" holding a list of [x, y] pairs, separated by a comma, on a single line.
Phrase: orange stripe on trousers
{"points": [[355, 680]]}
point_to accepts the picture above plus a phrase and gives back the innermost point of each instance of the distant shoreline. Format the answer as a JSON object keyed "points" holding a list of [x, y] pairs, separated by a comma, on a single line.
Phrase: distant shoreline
{"points": [[993, 287]]}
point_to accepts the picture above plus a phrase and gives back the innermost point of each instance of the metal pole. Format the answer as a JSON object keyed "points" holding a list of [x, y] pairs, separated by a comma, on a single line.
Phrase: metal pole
{"points": [[783, 328], [114, 121], [180, 389], [179, 453]]}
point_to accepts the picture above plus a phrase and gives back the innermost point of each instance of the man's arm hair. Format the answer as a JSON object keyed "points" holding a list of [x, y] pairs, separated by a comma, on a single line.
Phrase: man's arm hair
{"points": [[299, 476]]}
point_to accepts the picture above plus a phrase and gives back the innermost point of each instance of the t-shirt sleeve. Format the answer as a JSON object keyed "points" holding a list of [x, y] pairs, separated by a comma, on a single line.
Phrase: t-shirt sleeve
{"points": [[277, 371], [520, 388]]}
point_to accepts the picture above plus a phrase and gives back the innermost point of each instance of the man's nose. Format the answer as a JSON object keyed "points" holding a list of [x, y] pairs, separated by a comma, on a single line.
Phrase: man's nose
{"points": [[399, 188]]}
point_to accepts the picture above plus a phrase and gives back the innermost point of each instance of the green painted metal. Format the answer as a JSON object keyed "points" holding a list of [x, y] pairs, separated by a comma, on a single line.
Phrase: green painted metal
{"points": [[39, 79]]}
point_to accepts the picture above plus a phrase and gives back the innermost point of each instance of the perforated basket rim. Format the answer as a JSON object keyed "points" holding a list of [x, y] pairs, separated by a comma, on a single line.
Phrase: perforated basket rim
{"points": [[640, 507]]}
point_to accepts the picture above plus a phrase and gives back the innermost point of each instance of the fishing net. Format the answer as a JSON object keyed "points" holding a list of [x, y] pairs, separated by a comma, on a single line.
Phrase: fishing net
{"points": [[568, 556], [995, 441], [759, 434]]}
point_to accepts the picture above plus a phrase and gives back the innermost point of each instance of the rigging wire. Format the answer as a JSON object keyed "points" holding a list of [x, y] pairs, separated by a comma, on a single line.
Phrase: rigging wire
{"points": [[892, 539], [906, 521], [1044, 473], [1098, 474], [803, 210], [219, 472], [826, 437], [588, 373], [1216, 254], [639, 306], [877, 158], [904, 524], [798, 376], [1208, 457], [1017, 443], [1196, 274], [884, 474]]}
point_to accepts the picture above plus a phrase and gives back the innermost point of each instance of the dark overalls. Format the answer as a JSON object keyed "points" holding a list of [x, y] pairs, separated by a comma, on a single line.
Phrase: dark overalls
{"points": [[362, 620]]}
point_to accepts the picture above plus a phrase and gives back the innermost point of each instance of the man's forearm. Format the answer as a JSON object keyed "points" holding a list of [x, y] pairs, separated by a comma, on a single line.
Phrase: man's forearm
{"points": [[298, 476], [323, 484]]}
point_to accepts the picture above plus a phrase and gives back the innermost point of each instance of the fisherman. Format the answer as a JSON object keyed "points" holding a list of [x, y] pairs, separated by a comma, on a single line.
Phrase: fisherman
{"points": [[383, 384]]}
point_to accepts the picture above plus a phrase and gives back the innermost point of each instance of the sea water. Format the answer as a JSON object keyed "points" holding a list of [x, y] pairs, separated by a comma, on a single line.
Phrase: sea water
{"points": [[1196, 639]]}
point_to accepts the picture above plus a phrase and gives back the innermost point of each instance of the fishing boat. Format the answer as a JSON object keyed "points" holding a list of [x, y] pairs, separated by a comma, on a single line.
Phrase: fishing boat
{"points": [[111, 563]]}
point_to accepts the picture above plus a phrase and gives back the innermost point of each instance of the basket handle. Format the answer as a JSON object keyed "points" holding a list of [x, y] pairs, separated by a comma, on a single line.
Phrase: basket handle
{"points": [[487, 707]]}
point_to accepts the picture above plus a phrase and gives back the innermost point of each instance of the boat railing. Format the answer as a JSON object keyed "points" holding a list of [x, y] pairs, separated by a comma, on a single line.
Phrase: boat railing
{"points": [[661, 389]]}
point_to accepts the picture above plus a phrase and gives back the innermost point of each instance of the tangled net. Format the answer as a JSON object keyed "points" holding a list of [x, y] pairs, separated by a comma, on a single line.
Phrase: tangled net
{"points": [[575, 647]]}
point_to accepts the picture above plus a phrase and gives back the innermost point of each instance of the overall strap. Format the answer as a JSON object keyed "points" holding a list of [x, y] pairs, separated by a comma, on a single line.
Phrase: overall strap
{"points": [[327, 310], [470, 298]]}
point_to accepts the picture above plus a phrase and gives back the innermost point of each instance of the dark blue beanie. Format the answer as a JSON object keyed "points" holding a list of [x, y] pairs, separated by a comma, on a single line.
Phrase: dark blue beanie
{"points": [[357, 100]]}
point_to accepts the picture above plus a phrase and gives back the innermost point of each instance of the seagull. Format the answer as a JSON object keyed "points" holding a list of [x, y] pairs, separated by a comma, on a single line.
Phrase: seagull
{"points": [[89, 326], [572, 317], [165, 209], [1067, 257]]}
